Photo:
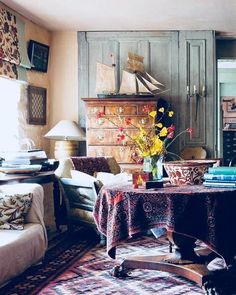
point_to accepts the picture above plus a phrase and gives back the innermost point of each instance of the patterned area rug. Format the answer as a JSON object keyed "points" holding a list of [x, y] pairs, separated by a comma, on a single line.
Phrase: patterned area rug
{"points": [[77, 264], [91, 274]]}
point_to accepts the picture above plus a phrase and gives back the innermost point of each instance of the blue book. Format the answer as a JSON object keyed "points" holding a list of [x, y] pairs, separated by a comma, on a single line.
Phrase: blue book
{"points": [[209, 183], [210, 176], [222, 170]]}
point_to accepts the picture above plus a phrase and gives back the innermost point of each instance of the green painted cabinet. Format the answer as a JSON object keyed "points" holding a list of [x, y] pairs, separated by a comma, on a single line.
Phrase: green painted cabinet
{"points": [[178, 59], [197, 105]]}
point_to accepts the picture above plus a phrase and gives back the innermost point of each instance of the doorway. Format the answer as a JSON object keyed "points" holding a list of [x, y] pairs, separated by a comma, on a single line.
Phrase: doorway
{"points": [[226, 108]]}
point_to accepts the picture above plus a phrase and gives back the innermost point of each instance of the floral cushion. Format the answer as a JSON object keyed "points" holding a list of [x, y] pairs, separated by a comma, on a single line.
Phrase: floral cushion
{"points": [[90, 165], [13, 209]]}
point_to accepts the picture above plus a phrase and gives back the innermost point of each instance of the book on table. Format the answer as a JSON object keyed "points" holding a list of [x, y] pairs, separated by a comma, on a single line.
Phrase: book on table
{"points": [[225, 170], [211, 176], [217, 183]]}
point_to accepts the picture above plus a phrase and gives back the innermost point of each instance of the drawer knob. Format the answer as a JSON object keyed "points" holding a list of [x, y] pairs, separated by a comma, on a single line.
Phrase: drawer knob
{"points": [[100, 137], [100, 121], [122, 149], [144, 121], [120, 110], [94, 110]]}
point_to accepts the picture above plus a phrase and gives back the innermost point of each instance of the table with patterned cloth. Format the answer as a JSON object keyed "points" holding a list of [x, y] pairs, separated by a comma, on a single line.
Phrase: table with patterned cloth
{"points": [[207, 214]]}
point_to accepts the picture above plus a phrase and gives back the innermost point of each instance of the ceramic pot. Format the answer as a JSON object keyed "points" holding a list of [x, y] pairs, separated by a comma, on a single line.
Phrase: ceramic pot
{"points": [[187, 172]]}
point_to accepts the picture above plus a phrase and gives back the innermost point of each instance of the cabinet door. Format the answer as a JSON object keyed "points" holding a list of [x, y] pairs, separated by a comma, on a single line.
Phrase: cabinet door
{"points": [[197, 75]]}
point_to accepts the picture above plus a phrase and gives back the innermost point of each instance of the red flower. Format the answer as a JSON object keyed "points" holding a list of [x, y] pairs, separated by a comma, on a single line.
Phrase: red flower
{"points": [[147, 109], [170, 135], [171, 129], [128, 121], [99, 115], [121, 128], [120, 137], [190, 130]]}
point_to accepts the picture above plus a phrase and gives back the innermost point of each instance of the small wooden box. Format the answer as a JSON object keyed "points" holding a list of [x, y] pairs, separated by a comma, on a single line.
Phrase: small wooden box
{"points": [[140, 178]]}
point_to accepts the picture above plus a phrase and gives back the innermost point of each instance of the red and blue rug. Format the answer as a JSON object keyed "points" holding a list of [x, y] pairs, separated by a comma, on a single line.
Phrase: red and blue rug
{"points": [[78, 265]]}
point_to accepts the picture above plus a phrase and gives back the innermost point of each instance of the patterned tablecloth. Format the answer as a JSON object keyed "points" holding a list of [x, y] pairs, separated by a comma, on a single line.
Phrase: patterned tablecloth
{"points": [[208, 214]]}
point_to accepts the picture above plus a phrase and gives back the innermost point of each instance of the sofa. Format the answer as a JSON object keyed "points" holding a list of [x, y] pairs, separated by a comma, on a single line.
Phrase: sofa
{"points": [[79, 195], [21, 248]]}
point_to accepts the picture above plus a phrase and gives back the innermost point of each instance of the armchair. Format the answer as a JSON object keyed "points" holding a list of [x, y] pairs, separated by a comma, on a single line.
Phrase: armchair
{"points": [[80, 195]]}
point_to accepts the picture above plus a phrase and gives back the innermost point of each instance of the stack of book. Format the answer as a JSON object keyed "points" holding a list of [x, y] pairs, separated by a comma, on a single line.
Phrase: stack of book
{"points": [[26, 157], [222, 176]]}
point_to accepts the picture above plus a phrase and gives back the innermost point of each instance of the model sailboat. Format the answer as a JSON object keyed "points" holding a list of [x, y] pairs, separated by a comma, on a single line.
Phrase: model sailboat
{"points": [[135, 81]]}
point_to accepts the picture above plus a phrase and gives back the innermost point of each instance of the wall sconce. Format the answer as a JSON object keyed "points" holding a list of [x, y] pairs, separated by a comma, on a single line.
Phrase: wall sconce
{"points": [[67, 134], [197, 95], [195, 92]]}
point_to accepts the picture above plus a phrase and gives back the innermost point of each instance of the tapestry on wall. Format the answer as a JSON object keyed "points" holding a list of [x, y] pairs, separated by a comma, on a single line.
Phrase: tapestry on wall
{"points": [[9, 45]]}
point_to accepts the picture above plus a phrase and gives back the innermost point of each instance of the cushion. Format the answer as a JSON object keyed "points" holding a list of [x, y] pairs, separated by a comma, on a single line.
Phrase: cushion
{"points": [[84, 179], [110, 179], [90, 164], [13, 209]]}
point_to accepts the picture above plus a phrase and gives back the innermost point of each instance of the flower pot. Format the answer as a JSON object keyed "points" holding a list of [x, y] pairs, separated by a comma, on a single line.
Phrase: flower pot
{"points": [[187, 172]]}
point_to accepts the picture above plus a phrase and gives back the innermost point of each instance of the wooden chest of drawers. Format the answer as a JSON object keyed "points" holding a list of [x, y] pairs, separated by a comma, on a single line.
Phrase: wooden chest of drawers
{"points": [[101, 134]]}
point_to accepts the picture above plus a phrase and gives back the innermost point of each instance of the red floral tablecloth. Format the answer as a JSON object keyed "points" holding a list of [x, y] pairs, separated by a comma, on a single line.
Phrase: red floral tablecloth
{"points": [[208, 214]]}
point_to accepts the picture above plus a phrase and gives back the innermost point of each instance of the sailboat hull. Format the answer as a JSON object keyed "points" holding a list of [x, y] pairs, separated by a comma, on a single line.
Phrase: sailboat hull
{"points": [[125, 95]]}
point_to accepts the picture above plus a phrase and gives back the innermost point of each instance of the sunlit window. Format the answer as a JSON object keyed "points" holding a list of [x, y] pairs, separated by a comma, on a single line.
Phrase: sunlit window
{"points": [[9, 118]]}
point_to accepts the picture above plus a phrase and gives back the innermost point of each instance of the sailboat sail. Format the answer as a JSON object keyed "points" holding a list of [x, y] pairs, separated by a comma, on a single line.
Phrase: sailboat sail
{"points": [[154, 81], [151, 86], [141, 87], [128, 83], [105, 82]]}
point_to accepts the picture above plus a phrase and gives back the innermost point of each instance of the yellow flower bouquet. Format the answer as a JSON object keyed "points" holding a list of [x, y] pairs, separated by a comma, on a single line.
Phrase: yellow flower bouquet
{"points": [[150, 142]]}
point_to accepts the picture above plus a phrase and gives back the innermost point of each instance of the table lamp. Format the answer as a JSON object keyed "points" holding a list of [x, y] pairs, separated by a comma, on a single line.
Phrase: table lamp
{"points": [[67, 134]]}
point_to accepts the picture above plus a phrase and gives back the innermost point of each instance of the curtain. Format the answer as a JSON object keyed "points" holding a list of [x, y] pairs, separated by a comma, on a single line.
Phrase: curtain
{"points": [[13, 53]]}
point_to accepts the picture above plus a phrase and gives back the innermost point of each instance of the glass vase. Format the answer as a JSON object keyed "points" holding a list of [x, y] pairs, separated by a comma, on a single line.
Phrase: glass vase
{"points": [[157, 168], [154, 165]]}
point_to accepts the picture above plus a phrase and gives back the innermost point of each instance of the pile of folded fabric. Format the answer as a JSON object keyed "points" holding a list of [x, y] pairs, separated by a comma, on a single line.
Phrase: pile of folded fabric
{"points": [[222, 176]]}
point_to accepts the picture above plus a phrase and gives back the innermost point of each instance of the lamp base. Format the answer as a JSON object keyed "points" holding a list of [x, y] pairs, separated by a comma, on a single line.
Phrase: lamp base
{"points": [[65, 149]]}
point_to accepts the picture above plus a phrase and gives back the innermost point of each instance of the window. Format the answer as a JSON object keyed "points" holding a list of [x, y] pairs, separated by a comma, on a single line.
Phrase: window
{"points": [[9, 116]]}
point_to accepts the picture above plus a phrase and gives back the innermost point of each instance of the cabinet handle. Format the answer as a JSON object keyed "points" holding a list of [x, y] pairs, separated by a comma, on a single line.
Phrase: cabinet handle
{"points": [[143, 121], [94, 110], [100, 153], [100, 121], [120, 110], [100, 137]]}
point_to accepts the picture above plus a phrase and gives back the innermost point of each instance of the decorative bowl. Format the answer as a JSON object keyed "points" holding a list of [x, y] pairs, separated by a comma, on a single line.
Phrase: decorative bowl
{"points": [[187, 172]]}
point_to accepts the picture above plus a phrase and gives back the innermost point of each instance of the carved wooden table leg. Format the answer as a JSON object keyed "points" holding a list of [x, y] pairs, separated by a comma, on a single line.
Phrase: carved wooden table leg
{"points": [[184, 249], [185, 261]]}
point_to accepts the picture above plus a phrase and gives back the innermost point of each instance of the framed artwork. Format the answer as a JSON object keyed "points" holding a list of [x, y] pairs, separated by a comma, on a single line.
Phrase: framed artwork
{"points": [[38, 55], [37, 101]]}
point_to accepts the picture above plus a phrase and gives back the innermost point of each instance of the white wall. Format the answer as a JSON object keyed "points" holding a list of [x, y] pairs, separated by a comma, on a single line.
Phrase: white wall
{"points": [[63, 79]]}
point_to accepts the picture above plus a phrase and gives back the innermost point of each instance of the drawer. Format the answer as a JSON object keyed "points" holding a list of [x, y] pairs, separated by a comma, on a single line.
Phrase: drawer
{"points": [[93, 122], [121, 109], [122, 154], [141, 108], [107, 136], [94, 109]]}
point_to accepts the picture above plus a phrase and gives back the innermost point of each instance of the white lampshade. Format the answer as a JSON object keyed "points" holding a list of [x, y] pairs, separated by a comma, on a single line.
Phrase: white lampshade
{"points": [[66, 133], [66, 130]]}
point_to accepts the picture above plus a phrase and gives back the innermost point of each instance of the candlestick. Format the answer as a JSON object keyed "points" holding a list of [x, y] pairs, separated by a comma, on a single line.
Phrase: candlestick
{"points": [[188, 90], [112, 59], [203, 91]]}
